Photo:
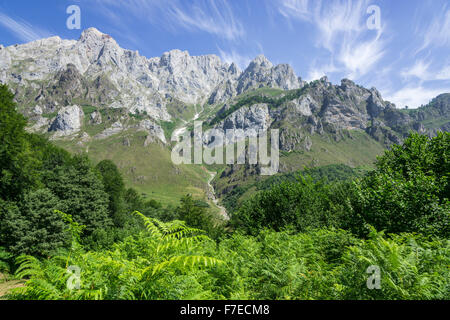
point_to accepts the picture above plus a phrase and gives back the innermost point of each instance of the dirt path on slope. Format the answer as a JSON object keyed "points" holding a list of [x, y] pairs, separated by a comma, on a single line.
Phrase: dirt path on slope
{"points": [[6, 286]]}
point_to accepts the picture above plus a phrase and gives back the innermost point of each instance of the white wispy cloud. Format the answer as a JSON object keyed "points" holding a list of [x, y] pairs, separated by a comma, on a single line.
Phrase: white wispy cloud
{"points": [[316, 72], [296, 9], [215, 17], [359, 58], [331, 18], [443, 74], [342, 30], [22, 29], [437, 33], [423, 71], [418, 70], [242, 60], [414, 96]]}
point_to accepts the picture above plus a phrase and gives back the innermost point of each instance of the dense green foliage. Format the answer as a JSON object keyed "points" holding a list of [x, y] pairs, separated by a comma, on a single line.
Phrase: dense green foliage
{"points": [[38, 178], [5, 260], [136, 268], [300, 237], [302, 205], [328, 173], [321, 264], [17, 166], [408, 192], [31, 226], [115, 188]]}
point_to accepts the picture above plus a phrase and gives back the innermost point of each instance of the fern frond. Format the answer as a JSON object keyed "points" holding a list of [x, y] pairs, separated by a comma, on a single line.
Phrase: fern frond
{"points": [[175, 243], [151, 224], [29, 266], [185, 261]]}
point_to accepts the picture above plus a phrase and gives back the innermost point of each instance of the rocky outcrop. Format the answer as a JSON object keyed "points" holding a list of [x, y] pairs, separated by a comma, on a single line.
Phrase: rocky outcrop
{"points": [[154, 130], [95, 117], [95, 70], [55, 76], [261, 72], [321, 107], [294, 140], [223, 92], [255, 117], [189, 79], [68, 121], [116, 128], [304, 106]]}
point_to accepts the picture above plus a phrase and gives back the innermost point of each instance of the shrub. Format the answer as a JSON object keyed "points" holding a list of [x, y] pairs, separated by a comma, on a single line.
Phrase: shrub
{"points": [[302, 205], [409, 190]]}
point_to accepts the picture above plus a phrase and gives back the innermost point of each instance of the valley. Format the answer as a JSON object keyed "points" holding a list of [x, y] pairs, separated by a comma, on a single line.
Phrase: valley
{"points": [[88, 183]]}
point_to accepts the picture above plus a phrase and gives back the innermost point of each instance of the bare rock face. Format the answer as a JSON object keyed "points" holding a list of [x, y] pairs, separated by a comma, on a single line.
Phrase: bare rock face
{"points": [[153, 129], [116, 127], [97, 70], [291, 140], [68, 121], [375, 104], [261, 72], [246, 122], [39, 125], [95, 117], [304, 105], [37, 110], [255, 117], [54, 76], [190, 79], [321, 107], [223, 92]]}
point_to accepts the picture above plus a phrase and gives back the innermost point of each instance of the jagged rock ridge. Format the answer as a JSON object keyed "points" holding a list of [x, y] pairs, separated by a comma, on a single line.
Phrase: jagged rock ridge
{"points": [[62, 84]]}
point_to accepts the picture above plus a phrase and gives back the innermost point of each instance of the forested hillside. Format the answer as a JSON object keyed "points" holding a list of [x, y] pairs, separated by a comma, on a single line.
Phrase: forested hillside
{"points": [[300, 237], [93, 96]]}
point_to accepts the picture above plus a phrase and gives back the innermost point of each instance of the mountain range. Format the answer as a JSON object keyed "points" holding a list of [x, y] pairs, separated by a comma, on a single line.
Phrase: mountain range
{"points": [[91, 95]]}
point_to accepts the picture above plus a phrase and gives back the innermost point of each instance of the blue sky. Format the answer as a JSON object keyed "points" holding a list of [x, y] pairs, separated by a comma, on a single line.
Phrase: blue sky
{"points": [[405, 55]]}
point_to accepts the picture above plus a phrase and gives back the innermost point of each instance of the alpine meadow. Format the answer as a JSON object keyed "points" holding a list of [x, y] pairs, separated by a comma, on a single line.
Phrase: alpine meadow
{"points": [[284, 188]]}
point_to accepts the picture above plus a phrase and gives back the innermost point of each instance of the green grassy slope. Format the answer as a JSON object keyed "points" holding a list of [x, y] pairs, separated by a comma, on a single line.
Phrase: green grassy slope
{"points": [[148, 169], [357, 150]]}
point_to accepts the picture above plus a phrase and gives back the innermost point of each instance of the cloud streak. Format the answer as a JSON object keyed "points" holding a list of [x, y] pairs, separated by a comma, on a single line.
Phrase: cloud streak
{"points": [[213, 17], [242, 60], [437, 33], [341, 30], [22, 29], [415, 96]]}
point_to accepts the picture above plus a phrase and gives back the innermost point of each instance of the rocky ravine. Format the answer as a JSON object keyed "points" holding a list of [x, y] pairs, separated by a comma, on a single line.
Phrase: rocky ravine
{"points": [[212, 196]]}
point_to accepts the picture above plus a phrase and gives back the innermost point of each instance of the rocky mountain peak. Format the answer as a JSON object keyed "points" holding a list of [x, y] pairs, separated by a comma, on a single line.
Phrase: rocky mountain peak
{"points": [[260, 61], [95, 45], [234, 69], [173, 57], [261, 72], [52, 75], [346, 83], [94, 34]]}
